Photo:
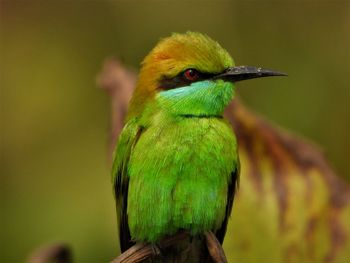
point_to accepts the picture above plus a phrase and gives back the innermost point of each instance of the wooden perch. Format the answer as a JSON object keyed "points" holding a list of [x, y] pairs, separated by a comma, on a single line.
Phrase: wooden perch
{"points": [[137, 253], [215, 249], [143, 251]]}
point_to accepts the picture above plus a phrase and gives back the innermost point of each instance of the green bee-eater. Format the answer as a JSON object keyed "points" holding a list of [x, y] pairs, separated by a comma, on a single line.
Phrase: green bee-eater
{"points": [[176, 164]]}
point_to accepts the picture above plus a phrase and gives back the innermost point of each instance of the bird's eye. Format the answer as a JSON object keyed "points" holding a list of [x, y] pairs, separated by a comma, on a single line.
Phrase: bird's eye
{"points": [[191, 74]]}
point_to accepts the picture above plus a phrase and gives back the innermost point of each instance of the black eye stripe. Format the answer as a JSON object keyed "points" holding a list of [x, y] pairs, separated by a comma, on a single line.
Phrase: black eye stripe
{"points": [[181, 81]]}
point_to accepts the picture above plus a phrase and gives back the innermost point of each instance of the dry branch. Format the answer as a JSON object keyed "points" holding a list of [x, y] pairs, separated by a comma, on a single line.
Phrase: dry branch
{"points": [[144, 251], [215, 249]]}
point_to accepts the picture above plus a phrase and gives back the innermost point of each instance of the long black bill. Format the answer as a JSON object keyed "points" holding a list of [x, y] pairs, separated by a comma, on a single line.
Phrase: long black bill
{"points": [[239, 73]]}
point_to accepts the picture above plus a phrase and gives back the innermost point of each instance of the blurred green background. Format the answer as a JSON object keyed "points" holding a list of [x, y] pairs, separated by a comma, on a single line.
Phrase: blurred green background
{"points": [[55, 183]]}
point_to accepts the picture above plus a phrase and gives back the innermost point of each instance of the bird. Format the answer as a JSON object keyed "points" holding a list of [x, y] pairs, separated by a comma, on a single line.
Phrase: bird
{"points": [[176, 165]]}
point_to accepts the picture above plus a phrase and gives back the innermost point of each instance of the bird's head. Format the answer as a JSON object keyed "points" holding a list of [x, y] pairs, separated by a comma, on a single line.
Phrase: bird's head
{"points": [[189, 75]]}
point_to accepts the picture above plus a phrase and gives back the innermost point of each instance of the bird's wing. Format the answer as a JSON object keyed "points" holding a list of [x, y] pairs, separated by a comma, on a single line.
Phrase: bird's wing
{"points": [[127, 140], [232, 186]]}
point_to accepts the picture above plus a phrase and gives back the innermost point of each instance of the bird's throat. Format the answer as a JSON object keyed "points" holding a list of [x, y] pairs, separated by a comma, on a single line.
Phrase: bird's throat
{"points": [[203, 99]]}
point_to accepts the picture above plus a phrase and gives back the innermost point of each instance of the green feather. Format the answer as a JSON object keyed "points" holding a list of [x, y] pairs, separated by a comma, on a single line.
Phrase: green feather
{"points": [[176, 163]]}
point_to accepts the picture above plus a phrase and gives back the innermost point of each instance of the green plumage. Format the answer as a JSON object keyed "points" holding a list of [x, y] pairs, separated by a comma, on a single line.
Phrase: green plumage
{"points": [[179, 175], [179, 167], [176, 162]]}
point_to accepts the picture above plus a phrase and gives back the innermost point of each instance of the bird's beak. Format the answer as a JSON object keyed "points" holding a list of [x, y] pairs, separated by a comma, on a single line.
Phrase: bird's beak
{"points": [[239, 73]]}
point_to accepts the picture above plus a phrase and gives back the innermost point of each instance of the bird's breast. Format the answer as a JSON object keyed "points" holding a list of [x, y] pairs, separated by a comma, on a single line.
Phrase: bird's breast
{"points": [[179, 173]]}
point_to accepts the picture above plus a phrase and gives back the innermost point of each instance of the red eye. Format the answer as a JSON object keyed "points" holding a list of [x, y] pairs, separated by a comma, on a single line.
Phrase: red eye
{"points": [[191, 74]]}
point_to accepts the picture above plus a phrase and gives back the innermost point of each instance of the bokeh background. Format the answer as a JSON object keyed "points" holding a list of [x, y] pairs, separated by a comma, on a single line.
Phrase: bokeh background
{"points": [[55, 183]]}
